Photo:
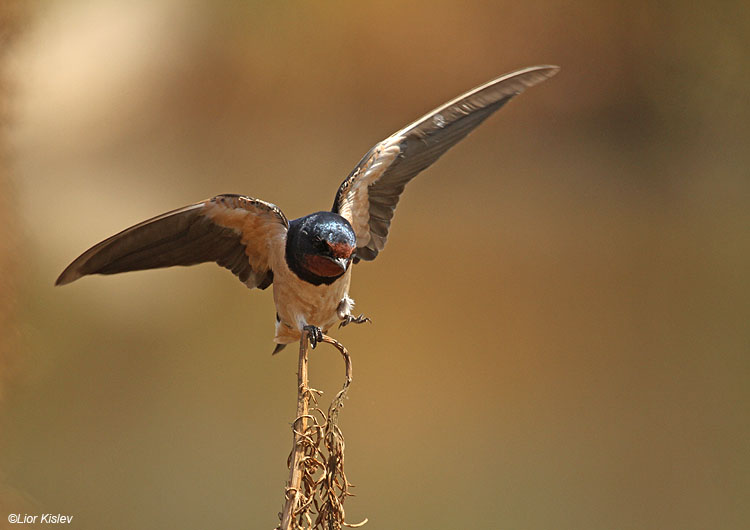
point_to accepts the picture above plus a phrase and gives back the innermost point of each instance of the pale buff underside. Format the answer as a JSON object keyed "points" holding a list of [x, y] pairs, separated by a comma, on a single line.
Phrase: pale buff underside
{"points": [[300, 303]]}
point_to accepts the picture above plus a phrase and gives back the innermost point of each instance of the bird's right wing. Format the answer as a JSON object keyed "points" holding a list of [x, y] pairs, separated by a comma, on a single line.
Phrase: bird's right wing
{"points": [[235, 231], [368, 196]]}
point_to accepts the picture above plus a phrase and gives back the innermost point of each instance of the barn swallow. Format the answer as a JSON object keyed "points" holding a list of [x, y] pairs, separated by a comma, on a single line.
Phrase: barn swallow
{"points": [[308, 260]]}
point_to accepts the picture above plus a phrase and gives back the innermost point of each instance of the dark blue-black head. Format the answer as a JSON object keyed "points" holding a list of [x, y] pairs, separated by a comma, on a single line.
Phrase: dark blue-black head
{"points": [[320, 247]]}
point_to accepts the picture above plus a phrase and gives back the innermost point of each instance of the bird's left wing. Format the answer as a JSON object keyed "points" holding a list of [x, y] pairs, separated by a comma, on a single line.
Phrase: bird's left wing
{"points": [[369, 195], [236, 232]]}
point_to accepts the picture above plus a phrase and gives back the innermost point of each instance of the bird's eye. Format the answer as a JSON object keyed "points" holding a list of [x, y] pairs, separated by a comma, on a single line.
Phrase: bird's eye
{"points": [[320, 244]]}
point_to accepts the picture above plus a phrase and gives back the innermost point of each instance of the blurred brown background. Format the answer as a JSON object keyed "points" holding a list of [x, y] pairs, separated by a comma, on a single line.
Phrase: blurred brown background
{"points": [[561, 328]]}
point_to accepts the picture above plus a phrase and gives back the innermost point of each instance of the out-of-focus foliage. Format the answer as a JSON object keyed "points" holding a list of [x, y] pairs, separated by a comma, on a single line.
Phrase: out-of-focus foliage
{"points": [[560, 335]]}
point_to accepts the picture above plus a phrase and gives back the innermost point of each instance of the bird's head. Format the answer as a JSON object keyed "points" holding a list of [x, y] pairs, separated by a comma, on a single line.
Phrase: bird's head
{"points": [[320, 247]]}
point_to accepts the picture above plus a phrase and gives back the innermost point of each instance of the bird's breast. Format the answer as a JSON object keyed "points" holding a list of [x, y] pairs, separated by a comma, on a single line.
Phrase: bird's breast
{"points": [[300, 303]]}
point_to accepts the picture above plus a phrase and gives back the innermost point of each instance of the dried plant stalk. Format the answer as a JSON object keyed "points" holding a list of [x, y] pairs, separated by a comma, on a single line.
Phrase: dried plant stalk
{"points": [[299, 427], [317, 483]]}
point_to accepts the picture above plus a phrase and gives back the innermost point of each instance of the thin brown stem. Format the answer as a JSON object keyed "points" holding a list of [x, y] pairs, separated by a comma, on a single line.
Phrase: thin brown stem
{"points": [[293, 492], [338, 401]]}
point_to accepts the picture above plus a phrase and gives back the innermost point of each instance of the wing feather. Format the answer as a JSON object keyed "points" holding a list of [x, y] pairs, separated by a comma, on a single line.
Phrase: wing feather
{"points": [[369, 195], [235, 231]]}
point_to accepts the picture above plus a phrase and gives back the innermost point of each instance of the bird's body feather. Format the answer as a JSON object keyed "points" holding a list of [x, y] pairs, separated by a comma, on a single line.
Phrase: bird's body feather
{"points": [[300, 303]]}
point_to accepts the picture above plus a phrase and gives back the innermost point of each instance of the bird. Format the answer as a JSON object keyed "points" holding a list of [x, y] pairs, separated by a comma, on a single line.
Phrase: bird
{"points": [[308, 260]]}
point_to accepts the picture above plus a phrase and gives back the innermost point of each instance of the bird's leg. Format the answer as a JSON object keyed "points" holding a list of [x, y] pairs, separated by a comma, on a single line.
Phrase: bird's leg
{"points": [[315, 334], [348, 319]]}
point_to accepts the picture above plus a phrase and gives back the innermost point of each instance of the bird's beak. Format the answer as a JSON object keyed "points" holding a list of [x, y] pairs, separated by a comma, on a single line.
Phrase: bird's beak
{"points": [[343, 263]]}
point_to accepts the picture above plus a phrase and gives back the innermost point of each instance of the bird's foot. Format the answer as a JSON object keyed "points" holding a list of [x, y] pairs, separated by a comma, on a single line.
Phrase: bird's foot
{"points": [[348, 319], [315, 334]]}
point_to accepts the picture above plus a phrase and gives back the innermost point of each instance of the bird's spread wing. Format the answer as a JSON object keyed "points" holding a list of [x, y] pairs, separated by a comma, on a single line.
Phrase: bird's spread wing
{"points": [[234, 231], [369, 195]]}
